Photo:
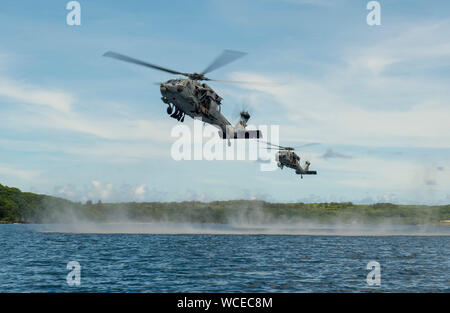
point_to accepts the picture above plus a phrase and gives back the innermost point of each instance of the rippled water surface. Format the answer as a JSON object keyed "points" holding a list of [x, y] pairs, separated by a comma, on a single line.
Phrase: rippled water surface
{"points": [[34, 259]]}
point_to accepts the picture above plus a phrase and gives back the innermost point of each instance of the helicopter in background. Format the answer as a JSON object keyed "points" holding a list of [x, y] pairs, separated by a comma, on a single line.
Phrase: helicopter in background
{"points": [[188, 96], [287, 157]]}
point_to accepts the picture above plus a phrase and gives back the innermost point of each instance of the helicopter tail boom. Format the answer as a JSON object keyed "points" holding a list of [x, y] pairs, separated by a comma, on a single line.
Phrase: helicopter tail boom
{"points": [[244, 134], [305, 171]]}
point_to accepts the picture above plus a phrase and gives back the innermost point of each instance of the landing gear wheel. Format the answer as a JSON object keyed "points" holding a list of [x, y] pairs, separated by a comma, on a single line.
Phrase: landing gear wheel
{"points": [[169, 110]]}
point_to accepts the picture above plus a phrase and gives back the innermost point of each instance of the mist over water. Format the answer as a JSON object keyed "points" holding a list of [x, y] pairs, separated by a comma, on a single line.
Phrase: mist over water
{"points": [[305, 228], [246, 220]]}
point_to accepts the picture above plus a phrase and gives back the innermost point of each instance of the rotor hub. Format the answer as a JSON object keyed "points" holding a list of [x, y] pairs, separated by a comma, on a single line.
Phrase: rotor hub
{"points": [[197, 76]]}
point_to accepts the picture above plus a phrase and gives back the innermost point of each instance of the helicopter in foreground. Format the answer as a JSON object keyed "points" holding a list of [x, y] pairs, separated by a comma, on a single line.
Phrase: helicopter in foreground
{"points": [[287, 157], [188, 96]]}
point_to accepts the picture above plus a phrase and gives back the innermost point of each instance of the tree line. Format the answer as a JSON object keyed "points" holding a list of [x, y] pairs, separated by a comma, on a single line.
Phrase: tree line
{"points": [[26, 207]]}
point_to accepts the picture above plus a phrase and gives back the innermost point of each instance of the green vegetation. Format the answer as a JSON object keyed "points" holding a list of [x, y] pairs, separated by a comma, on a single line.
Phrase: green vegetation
{"points": [[26, 207], [20, 207]]}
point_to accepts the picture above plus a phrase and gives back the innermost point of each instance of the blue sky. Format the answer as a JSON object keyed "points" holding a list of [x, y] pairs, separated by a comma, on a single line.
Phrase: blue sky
{"points": [[80, 126]]}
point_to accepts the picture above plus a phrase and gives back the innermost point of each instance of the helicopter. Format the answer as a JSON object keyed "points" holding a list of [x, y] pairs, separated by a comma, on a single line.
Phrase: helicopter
{"points": [[287, 157], [188, 96]]}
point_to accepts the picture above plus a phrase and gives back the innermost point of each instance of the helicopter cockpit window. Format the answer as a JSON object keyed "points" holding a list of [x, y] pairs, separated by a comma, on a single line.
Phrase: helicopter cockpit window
{"points": [[173, 81]]}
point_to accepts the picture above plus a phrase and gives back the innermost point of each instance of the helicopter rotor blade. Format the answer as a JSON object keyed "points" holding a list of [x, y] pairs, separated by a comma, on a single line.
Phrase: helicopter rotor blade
{"points": [[227, 56], [240, 82], [125, 58], [291, 148], [273, 145], [273, 148], [307, 145]]}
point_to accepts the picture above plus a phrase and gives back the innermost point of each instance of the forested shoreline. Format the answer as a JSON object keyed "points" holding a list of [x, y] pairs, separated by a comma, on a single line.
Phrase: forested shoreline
{"points": [[26, 207]]}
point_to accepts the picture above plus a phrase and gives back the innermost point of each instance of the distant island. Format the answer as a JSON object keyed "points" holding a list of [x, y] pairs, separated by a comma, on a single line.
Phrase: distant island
{"points": [[26, 207]]}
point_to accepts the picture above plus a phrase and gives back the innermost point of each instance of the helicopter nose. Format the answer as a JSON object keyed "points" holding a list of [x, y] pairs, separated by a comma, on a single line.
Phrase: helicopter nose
{"points": [[169, 87]]}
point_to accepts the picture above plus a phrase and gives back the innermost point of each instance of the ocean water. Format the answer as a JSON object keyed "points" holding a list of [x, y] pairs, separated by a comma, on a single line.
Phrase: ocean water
{"points": [[220, 258]]}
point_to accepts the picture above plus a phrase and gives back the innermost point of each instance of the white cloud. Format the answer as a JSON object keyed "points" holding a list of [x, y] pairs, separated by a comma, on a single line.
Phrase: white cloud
{"points": [[140, 192], [413, 45], [408, 179], [11, 173], [108, 192], [316, 113], [362, 103], [56, 100], [68, 192], [41, 109], [192, 195], [100, 191]]}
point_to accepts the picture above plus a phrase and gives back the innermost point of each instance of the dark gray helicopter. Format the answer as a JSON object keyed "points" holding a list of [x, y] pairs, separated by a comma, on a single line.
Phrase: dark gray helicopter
{"points": [[198, 100], [287, 157]]}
